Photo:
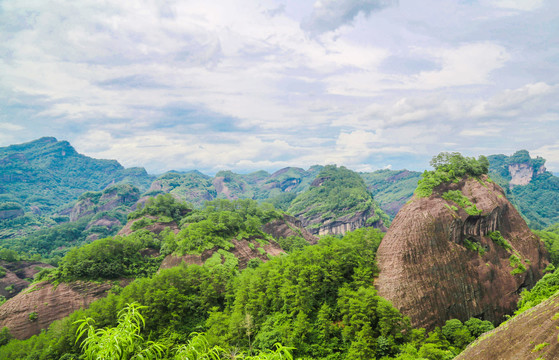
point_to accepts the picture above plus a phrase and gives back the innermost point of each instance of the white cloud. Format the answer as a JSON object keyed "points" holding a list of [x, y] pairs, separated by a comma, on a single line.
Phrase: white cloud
{"points": [[524, 5], [329, 15], [240, 84], [549, 152], [10, 127]]}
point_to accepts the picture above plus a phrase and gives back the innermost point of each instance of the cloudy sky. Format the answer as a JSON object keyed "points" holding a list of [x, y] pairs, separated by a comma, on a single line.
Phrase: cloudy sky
{"points": [[257, 84]]}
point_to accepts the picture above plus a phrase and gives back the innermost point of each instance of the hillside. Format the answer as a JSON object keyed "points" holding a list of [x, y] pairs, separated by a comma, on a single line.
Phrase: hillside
{"points": [[337, 202], [533, 189], [391, 188], [45, 174], [531, 333], [459, 249], [40, 182]]}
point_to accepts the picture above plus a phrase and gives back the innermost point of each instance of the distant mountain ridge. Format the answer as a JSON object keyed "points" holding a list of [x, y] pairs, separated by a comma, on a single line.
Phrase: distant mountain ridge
{"points": [[529, 186], [46, 174]]}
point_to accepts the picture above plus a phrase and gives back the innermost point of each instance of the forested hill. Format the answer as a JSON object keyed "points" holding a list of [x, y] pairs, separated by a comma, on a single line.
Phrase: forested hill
{"points": [[529, 186], [43, 175]]}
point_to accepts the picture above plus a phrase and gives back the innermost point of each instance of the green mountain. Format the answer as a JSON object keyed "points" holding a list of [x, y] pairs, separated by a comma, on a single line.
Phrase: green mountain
{"points": [[391, 188], [337, 201], [45, 175], [529, 186]]}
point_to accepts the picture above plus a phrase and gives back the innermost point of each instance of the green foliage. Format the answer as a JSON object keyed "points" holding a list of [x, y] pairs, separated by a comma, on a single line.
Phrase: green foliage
{"points": [[540, 347], [10, 205], [459, 199], [337, 192], [543, 290], [222, 220], [122, 342], [33, 316], [47, 175], [477, 327], [110, 258], [550, 238], [499, 240], [390, 188], [162, 205], [450, 167], [58, 239], [319, 302], [474, 246], [537, 201], [5, 336], [516, 264], [2, 272]]}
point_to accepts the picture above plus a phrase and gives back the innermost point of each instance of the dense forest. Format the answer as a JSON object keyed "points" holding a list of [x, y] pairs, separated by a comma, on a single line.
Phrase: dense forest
{"points": [[305, 302]]}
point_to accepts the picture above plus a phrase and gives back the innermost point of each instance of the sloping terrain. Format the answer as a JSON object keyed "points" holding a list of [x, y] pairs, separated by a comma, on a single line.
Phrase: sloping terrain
{"points": [[530, 335], [462, 252], [37, 307], [337, 202]]}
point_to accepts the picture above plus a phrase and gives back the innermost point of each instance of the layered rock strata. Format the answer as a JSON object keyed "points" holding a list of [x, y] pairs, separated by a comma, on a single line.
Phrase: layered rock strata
{"points": [[437, 262], [530, 335]]}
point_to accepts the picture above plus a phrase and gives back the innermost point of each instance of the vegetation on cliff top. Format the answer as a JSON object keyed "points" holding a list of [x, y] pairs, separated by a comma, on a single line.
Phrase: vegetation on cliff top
{"points": [[336, 192], [450, 167]]}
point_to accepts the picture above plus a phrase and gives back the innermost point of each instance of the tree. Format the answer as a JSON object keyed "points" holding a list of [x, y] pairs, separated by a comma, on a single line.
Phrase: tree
{"points": [[122, 342]]}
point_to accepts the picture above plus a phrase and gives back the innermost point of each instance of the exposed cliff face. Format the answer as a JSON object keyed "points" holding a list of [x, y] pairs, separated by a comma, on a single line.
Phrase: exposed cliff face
{"points": [[288, 226], [17, 275], [521, 174], [428, 272], [518, 339], [317, 225], [50, 303]]}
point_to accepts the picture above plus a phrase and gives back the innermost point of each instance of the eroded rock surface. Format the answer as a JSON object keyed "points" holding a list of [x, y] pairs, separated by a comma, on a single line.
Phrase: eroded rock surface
{"points": [[49, 303], [429, 273], [247, 249], [530, 335], [244, 251], [18, 276]]}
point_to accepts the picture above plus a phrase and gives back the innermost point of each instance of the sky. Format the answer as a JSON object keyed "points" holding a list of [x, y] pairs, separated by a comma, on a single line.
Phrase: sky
{"points": [[249, 85]]}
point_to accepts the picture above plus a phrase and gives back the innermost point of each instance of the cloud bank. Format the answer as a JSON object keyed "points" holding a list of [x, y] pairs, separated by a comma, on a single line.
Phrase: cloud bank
{"points": [[247, 85]]}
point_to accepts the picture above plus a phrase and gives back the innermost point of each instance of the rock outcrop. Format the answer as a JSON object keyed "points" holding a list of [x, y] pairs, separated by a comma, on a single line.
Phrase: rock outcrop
{"points": [[530, 335], [18, 276], [36, 308], [244, 250], [317, 225], [437, 262], [247, 249], [522, 174], [154, 226], [288, 226], [337, 201]]}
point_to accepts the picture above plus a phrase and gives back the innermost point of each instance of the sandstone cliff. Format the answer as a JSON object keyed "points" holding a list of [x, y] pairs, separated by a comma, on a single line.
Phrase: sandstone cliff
{"points": [[36, 308], [18, 276], [530, 335], [437, 262]]}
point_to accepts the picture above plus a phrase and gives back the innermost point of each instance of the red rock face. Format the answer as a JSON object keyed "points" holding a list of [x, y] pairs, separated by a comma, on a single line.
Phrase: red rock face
{"points": [[427, 271], [50, 303], [519, 338]]}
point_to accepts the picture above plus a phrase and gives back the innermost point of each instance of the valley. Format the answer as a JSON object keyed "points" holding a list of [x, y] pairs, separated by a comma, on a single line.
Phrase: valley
{"points": [[323, 263]]}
